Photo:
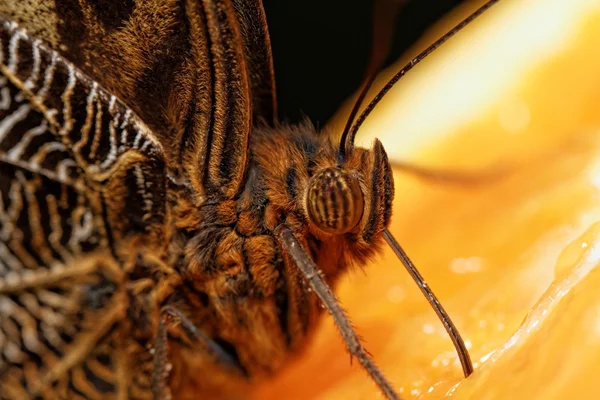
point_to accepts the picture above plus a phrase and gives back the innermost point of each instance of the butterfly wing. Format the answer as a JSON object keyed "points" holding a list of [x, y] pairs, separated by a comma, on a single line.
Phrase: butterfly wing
{"points": [[259, 59], [193, 70], [79, 173]]}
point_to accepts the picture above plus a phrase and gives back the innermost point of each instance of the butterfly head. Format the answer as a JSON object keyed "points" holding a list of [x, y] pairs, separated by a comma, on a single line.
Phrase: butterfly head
{"points": [[352, 197], [334, 200]]}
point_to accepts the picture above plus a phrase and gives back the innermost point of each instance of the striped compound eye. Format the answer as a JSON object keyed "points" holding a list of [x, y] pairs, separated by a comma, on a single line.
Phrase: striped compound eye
{"points": [[334, 201]]}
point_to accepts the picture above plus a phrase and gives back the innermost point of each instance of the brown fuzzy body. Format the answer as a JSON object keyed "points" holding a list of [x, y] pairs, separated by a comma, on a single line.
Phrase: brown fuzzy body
{"points": [[238, 287]]}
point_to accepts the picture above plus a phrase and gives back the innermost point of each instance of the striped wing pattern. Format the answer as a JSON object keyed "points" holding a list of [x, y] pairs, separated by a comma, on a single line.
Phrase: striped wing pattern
{"points": [[78, 173]]}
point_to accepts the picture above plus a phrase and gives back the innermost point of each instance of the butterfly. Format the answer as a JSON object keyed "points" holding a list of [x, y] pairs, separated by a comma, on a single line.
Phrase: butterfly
{"points": [[162, 235]]}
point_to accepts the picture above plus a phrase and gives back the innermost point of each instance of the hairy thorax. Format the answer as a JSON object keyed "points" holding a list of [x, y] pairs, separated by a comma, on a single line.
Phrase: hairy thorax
{"points": [[237, 286]]}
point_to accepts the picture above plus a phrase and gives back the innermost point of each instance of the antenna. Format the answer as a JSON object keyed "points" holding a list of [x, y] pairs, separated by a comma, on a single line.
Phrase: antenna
{"points": [[457, 340], [353, 112], [349, 139]]}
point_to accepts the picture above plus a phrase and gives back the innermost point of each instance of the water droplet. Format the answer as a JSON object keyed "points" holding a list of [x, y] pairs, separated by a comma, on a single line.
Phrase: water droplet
{"points": [[428, 329], [396, 294], [466, 265]]}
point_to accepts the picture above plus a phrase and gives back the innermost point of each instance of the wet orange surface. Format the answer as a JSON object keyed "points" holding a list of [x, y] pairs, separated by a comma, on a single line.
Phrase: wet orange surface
{"points": [[515, 258]]}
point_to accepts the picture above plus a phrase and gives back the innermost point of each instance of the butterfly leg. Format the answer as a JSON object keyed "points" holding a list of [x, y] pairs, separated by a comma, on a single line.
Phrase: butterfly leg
{"points": [[323, 291], [161, 365], [170, 317]]}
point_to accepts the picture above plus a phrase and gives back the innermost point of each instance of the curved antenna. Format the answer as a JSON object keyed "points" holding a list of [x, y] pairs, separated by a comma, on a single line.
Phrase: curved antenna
{"points": [[349, 143], [459, 344], [353, 112], [385, 13]]}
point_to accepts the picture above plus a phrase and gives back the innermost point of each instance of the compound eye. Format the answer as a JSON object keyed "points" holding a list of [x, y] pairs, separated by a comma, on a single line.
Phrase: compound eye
{"points": [[334, 201]]}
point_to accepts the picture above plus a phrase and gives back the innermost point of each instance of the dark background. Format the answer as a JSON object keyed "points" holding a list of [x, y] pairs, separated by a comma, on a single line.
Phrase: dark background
{"points": [[321, 49]]}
